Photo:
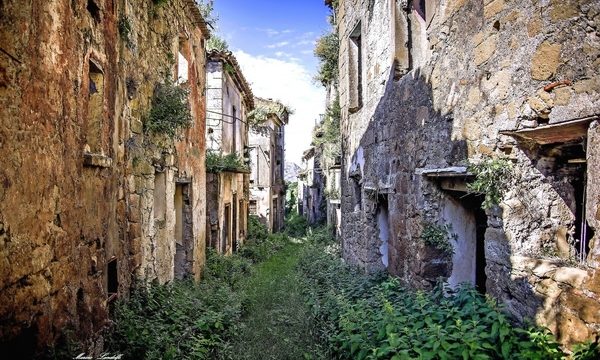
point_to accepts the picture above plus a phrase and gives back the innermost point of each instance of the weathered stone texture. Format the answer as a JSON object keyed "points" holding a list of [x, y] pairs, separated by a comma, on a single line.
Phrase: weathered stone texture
{"points": [[492, 66], [76, 166]]}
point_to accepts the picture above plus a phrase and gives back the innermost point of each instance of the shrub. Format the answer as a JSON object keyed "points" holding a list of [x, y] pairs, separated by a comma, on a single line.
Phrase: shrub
{"points": [[217, 162], [170, 110], [364, 316], [327, 51], [439, 237], [296, 225], [492, 178]]}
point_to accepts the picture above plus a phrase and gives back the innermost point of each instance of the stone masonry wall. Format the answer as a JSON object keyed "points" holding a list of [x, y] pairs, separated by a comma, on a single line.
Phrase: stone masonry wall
{"points": [[76, 166], [484, 72]]}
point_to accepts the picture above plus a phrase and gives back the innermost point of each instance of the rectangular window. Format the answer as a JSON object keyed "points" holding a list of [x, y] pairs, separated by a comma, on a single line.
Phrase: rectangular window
{"points": [[234, 129], [355, 52], [252, 207], [112, 279], [95, 113]]}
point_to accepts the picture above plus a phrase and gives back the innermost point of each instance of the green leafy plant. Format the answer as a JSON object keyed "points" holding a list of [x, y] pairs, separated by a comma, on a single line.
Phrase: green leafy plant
{"points": [[160, 2], [328, 134], [372, 316], [207, 9], [438, 236], [125, 29], [263, 109], [327, 51], [217, 162], [296, 225], [586, 351], [216, 43], [493, 178], [170, 110]]}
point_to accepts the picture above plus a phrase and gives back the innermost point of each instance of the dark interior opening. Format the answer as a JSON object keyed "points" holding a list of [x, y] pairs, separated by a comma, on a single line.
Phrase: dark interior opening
{"points": [[583, 232], [94, 10], [234, 223], [112, 275], [226, 226]]}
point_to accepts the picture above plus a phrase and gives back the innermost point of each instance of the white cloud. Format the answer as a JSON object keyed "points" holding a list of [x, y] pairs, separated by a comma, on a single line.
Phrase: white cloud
{"points": [[278, 45], [291, 83]]}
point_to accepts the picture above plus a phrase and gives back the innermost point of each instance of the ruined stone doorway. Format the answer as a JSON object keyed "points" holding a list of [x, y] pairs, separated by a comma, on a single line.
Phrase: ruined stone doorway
{"points": [[468, 221], [183, 229], [583, 232], [226, 229], [383, 224], [234, 223]]}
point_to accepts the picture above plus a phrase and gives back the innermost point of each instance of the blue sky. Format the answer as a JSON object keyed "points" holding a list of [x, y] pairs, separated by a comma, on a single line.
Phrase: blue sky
{"points": [[273, 42]]}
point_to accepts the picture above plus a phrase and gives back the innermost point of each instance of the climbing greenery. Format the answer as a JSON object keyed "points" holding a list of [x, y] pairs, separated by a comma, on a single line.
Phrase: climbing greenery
{"points": [[170, 110], [372, 316], [217, 162], [216, 43], [207, 9], [125, 28], [328, 134], [327, 51], [438, 236], [493, 177], [262, 110]]}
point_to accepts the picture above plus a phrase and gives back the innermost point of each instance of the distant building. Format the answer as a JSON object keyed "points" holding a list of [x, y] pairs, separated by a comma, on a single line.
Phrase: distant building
{"points": [[267, 139], [229, 99]]}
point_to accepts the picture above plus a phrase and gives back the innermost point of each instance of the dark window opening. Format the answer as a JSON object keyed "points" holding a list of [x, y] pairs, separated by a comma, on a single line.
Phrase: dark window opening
{"points": [[583, 231], [234, 129], [112, 279], [226, 229], [356, 68], [95, 109], [252, 207], [420, 8], [183, 230], [234, 223], [357, 194], [94, 10]]}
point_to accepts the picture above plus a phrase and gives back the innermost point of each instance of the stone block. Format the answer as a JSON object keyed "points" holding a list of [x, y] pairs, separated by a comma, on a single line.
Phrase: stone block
{"points": [[546, 60], [485, 50], [493, 8], [563, 9]]}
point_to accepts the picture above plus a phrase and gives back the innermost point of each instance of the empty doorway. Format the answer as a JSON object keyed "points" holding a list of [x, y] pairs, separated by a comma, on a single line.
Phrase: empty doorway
{"points": [[225, 238], [183, 230]]}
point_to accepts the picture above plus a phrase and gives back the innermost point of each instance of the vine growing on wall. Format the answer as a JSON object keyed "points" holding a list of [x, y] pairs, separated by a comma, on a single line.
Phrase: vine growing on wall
{"points": [[261, 112], [493, 177], [217, 162], [170, 110], [327, 51], [439, 237]]}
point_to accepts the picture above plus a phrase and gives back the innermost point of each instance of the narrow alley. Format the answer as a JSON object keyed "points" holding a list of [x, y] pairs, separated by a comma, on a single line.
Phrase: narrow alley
{"points": [[317, 179]]}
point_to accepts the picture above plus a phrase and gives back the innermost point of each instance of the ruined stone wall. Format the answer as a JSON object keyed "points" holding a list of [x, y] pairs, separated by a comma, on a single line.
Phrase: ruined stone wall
{"points": [[485, 72], [76, 164], [222, 189]]}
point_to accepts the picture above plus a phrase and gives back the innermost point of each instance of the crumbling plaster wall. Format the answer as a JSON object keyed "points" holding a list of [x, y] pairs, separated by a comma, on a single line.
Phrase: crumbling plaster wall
{"points": [[486, 71], [61, 221]]}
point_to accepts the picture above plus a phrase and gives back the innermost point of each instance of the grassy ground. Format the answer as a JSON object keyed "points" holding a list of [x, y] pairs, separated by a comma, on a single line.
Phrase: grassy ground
{"points": [[277, 324]]}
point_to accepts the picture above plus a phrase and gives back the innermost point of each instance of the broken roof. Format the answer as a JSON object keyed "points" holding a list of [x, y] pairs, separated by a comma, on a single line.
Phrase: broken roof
{"points": [[236, 74], [198, 18], [271, 107]]}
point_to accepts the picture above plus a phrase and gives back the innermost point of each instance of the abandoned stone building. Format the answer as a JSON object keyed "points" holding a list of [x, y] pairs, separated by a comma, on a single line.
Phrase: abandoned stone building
{"points": [[267, 147], [428, 88], [229, 99], [92, 195], [312, 203]]}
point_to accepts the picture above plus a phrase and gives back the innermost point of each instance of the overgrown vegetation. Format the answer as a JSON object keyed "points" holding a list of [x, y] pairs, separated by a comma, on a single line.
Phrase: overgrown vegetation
{"points": [[170, 110], [217, 162], [216, 43], [296, 225], [262, 110], [328, 135], [372, 316], [125, 28], [439, 237], [183, 320], [327, 51], [207, 9], [493, 177]]}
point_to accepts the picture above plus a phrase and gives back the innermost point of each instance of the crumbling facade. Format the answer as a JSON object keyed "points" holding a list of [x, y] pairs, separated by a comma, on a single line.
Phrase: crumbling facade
{"points": [[229, 100], [90, 199], [312, 203], [267, 157], [427, 88]]}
